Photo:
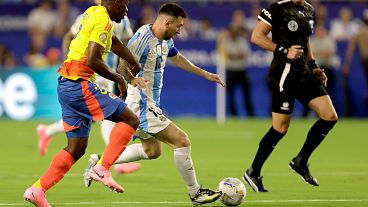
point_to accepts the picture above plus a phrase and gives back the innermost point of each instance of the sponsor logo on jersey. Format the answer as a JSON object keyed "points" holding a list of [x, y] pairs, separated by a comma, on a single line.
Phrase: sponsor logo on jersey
{"points": [[268, 14], [293, 26], [285, 106]]}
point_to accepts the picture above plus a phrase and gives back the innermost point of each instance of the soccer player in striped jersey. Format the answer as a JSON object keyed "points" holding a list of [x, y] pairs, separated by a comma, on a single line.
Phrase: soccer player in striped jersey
{"points": [[83, 101], [152, 45]]}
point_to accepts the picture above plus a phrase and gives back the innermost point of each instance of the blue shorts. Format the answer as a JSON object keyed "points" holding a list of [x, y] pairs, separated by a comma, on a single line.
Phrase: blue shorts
{"points": [[81, 102]]}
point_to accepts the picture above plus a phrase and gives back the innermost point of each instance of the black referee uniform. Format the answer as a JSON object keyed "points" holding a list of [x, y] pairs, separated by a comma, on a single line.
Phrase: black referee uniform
{"points": [[291, 23], [290, 79]]}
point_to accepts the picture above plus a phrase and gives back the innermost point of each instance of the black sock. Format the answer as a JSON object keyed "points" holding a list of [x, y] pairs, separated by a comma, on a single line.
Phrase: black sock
{"points": [[266, 146], [315, 136]]}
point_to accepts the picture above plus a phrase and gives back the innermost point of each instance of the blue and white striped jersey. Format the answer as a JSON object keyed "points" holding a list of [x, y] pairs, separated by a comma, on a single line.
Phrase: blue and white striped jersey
{"points": [[152, 54]]}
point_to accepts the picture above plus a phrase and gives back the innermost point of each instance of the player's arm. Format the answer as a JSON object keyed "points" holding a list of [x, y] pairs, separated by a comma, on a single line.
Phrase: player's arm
{"points": [[183, 63], [123, 52], [96, 62], [260, 38], [312, 65]]}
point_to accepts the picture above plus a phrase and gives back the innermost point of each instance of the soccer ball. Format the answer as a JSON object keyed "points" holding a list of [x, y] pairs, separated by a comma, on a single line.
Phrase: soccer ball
{"points": [[233, 191]]}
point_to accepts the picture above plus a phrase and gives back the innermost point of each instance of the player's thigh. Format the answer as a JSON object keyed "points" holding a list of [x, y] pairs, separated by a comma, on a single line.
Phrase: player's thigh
{"points": [[173, 136], [323, 106], [128, 117]]}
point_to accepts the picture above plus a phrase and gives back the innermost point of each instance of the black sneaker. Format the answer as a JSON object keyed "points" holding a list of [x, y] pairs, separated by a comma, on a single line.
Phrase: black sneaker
{"points": [[254, 182], [303, 171], [205, 196]]}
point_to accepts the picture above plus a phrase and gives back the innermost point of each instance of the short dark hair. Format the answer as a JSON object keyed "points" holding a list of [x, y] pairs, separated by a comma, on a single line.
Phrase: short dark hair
{"points": [[172, 9]]}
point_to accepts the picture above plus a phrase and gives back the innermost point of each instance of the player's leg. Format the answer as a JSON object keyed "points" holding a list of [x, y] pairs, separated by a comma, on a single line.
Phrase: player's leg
{"points": [[316, 98], [61, 162], [149, 148], [45, 134], [280, 124], [179, 141], [126, 124], [282, 107], [106, 128], [323, 107]]}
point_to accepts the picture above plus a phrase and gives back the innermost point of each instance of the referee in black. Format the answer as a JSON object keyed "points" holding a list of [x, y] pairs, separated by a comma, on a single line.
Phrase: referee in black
{"points": [[293, 74]]}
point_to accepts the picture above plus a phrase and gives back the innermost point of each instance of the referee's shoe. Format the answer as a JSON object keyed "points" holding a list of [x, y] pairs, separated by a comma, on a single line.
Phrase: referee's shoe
{"points": [[303, 171], [254, 182]]}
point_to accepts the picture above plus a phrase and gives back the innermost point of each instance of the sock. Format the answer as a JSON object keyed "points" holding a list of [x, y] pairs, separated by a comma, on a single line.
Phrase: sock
{"points": [[184, 164], [315, 136], [54, 128], [266, 146], [106, 128], [119, 138], [60, 164], [133, 152]]}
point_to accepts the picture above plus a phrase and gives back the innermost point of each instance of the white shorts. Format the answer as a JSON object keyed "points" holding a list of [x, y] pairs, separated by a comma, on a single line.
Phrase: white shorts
{"points": [[151, 120], [103, 83]]}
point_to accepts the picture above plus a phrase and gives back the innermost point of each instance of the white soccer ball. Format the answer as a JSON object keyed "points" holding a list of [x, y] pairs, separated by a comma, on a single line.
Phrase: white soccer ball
{"points": [[233, 191]]}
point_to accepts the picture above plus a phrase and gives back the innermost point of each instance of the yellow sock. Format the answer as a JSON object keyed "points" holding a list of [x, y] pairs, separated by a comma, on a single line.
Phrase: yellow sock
{"points": [[100, 161], [37, 184]]}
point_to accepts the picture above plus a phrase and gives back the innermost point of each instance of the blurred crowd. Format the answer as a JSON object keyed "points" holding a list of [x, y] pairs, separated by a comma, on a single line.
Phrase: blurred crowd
{"points": [[52, 19]]}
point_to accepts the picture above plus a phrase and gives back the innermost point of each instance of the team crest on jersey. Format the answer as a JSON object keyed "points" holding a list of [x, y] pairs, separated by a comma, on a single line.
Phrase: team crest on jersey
{"points": [[103, 37], [113, 96], [293, 26]]}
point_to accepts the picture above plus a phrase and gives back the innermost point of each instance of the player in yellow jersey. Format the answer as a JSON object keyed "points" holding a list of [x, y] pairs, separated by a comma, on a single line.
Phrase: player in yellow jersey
{"points": [[82, 101]]}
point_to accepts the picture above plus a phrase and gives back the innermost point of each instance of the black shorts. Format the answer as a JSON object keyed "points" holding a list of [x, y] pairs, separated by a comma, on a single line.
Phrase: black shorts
{"points": [[288, 82]]}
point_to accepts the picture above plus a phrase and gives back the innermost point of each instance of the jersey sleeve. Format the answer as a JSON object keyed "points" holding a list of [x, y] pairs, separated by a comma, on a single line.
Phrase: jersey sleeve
{"points": [[74, 29], [172, 49], [102, 27], [269, 15]]}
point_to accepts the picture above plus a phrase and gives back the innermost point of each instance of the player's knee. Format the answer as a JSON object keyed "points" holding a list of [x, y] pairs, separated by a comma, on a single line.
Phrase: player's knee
{"points": [[183, 141], [153, 153], [282, 129], [77, 151], [329, 116], [133, 122]]}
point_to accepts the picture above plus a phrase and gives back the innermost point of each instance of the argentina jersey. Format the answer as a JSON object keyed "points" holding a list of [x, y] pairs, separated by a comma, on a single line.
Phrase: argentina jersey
{"points": [[152, 54], [122, 31]]}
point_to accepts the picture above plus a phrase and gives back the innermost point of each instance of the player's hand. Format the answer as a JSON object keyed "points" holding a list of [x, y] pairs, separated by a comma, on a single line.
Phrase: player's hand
{"points": [[140, 82], [123, 91], [295, 52], [320, 75], [216, 78]]}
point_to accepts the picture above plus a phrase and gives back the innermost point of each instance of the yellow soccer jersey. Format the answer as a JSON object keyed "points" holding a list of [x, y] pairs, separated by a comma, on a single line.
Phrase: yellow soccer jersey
{"points": [[95, 26]]}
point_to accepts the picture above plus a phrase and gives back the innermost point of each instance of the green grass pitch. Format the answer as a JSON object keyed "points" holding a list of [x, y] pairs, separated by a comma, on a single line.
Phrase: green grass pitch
{"points": [[218, 151]]}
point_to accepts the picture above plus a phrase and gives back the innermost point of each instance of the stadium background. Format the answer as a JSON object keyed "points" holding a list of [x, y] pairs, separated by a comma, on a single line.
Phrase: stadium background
{"points": [[175, 99], [28, 97]]}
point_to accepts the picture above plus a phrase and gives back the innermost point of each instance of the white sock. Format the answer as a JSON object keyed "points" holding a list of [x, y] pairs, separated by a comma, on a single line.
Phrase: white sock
{"points": [[106, 127], [133, 152], [54, 128], [184, 164]]}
